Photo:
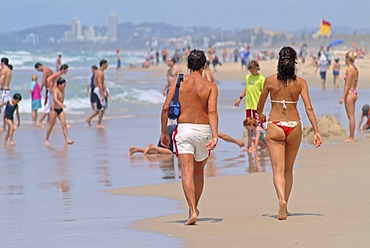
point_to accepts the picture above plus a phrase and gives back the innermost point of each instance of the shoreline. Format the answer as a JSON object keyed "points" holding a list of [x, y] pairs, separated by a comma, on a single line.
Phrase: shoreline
{"points": [[323, 215]]}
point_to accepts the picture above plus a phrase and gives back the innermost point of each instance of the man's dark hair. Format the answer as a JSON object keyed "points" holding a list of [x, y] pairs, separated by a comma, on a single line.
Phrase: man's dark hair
{"points": [[286, 65], [196, 60], [37, 65], [63, 67], [5, 60], [60, 81], [10, 66], [173, 59], [102, 62], [94, 67], [17, 96]]}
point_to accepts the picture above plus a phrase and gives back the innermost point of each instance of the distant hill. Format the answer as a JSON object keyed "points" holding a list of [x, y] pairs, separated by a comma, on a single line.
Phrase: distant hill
{"points": [[157, 35]]}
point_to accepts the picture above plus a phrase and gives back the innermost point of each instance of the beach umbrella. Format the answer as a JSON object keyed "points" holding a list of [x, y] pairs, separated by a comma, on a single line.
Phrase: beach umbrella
{"points": [[335, 43]]}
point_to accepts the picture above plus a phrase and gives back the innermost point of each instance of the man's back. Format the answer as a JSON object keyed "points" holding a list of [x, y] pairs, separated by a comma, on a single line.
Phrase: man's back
{"points": [[6, 76], [194, 95]]}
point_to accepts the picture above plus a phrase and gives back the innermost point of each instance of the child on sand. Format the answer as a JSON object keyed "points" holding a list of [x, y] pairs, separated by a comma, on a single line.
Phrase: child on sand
{"points": [[57, 111], [256, 139], [35, 91], [11, 106]]}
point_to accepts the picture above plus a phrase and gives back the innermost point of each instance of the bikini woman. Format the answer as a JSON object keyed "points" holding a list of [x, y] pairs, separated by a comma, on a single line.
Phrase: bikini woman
{"points": [[284, 128], [350, 95]]}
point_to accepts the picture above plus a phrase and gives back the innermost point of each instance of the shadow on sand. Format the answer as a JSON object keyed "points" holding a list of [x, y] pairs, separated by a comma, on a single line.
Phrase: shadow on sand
{"points": [[293, 215], [212, 220]]}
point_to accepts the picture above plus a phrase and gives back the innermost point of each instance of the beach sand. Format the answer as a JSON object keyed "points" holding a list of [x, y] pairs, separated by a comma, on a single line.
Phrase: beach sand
{"points": [[330, 205], [330, 202]]}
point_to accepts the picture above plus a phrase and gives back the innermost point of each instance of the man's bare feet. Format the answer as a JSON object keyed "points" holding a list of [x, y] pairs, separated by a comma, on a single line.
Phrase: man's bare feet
{"points": [[192, 220], [39, 124], [282, 212], [349, 140], [99, 126], [12, 143], [47, 143], [70, 142], [88, 122], [132, 150]]}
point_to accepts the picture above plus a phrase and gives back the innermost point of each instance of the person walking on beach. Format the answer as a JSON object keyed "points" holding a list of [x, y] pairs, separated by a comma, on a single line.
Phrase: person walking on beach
{"points": [[118, 60], [323, 64], [101, 94], [284, 130], [57, 111], [365, 112], [336, 69], [5, 80], [46, 72], [91, 87], [350, 94], [172, 74], [36, 98], [11, 107], [208, 74], [164, 55], [197, 130], [244, 56], [224, 55]]}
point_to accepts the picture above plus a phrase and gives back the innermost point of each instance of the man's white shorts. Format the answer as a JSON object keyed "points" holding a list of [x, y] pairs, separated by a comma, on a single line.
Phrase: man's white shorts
{"points": [[192, 139]]}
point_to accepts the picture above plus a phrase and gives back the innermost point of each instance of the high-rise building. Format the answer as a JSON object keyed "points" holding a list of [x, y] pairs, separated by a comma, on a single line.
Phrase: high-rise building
{"points": [[112, 27], [77, 30], [90, 34]]}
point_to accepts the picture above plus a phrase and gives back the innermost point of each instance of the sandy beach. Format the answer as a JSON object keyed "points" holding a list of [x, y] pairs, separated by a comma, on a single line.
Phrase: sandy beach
{"points": [[329, 203]]}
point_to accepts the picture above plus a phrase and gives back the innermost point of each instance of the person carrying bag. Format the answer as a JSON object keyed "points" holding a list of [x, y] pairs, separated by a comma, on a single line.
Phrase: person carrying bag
{"points": [[174, 109]]}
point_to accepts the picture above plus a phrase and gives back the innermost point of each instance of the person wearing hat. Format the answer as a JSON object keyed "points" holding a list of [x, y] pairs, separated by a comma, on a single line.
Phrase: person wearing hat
{"points": [[364, 113]]}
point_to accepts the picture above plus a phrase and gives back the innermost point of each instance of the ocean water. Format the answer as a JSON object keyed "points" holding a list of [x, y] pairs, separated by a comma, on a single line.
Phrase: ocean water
{"points": [[54, 197]]}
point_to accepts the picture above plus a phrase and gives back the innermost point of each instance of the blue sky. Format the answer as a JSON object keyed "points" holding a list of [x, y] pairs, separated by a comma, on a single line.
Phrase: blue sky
{"points": [[279, 15]]}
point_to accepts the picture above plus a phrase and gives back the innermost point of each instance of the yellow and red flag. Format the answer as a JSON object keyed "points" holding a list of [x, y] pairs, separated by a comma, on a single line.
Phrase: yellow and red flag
{"points": [[325, 28]]}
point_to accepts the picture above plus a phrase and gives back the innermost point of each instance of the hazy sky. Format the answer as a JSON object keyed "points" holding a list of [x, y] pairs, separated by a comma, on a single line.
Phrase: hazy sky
{"points": [[279, 15]]}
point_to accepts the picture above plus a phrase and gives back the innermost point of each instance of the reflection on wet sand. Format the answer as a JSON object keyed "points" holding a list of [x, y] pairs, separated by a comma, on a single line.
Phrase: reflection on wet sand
{"points": [[104, 173], [61, 168], [256, 162], [166, 163]]}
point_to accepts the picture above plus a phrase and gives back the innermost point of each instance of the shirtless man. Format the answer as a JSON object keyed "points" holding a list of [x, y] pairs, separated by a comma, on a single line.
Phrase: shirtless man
{"points": [[101, 94], [57, 111], [172, 74], [197, 131], [5, 79], [46, 72]]}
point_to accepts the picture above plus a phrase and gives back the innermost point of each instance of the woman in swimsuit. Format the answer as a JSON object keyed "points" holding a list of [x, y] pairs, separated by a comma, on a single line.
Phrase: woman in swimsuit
{"points": [[284, 130], [350, 95]]}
